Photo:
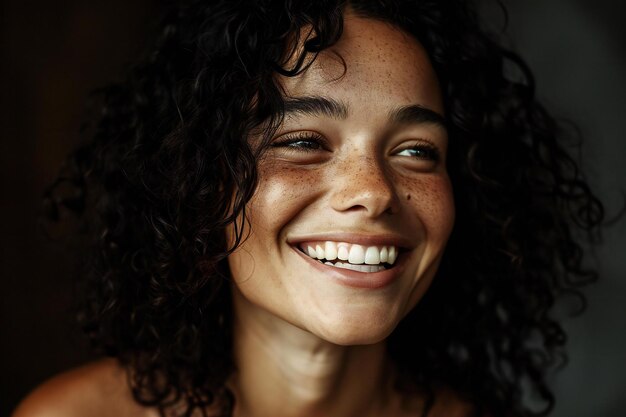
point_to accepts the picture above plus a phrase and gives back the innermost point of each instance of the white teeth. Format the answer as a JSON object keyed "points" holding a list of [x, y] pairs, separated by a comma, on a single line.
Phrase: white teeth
{"points": [[392, 255], [342, 252], [372, 256], [320, 252], [384, 253], [353, 253], [331, 251], [357, 255], [360, 268]]}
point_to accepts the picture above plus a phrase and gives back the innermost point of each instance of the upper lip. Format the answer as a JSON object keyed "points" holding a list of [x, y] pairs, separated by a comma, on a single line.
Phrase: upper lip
{"points": [[365, 239]]}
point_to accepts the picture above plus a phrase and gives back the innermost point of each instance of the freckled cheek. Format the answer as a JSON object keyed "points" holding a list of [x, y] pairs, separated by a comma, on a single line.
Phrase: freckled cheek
{"points": [[282, 192], [432, 199]]}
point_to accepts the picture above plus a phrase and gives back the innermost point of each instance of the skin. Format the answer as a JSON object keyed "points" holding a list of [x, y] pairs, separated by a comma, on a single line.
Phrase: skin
{"points": [[305, 345], [98, 389]]}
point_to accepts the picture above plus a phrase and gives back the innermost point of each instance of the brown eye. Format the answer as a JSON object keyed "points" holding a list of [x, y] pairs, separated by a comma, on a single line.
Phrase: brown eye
{"points": [[301, 142], [421, 152]]}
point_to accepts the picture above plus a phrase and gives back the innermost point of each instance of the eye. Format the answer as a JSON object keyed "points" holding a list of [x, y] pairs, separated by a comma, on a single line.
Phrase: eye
{"points": [[421, 150], [300, 142]]}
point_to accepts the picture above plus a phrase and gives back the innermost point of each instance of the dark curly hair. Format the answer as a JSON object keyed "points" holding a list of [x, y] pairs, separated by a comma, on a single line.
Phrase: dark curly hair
{"points": [[168, 168]]}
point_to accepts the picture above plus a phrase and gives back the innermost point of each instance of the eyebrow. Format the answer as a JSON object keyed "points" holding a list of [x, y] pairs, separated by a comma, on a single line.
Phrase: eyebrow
{"points": [[416, 114], [323, 106], [316, 106]]}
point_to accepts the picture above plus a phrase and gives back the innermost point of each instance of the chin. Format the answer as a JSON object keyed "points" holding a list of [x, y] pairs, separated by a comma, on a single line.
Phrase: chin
{"points": [[362, 332], [357, 338]]}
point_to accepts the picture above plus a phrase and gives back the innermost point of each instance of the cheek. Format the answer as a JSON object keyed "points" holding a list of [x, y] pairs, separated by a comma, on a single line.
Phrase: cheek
{"points": [[432, 200], [282, 192]]}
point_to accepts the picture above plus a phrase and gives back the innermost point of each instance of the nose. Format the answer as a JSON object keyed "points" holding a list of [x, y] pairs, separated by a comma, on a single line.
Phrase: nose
{"points": [[362, 185]]}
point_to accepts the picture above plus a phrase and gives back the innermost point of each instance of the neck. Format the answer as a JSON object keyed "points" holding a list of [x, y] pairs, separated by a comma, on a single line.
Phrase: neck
{"points": [[286, 371]]}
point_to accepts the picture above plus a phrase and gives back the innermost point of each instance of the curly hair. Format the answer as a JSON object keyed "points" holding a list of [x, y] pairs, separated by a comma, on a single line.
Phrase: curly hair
{"points": [[168, 168]]}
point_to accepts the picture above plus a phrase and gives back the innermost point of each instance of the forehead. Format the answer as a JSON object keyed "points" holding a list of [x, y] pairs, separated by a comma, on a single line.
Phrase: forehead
{"points": [[373, 60]]}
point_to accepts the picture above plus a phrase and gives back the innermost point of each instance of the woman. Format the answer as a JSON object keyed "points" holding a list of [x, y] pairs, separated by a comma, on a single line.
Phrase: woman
{"points": [[323, 209]]}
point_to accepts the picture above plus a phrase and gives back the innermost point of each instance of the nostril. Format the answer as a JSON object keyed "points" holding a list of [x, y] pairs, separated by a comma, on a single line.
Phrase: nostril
{"points": [[370, 199]]}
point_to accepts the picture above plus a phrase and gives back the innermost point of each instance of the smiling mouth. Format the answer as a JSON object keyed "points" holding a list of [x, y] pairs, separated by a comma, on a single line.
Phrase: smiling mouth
{"points": [[351, 256]]}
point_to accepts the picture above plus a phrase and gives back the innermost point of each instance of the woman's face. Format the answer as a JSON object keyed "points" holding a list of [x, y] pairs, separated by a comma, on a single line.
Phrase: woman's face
{"points": [[357, 171]]}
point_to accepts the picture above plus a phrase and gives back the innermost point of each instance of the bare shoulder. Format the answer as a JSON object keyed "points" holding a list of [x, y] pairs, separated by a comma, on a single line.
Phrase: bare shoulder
{"points": [[98, 389]]}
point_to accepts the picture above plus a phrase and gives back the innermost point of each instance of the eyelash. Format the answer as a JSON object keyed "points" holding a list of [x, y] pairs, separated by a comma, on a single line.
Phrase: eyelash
{"points": [[291, 141], [427, 149]]}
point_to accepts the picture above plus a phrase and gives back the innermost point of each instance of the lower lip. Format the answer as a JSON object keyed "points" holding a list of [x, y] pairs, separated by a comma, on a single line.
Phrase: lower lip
{"points": [[356, 279]]}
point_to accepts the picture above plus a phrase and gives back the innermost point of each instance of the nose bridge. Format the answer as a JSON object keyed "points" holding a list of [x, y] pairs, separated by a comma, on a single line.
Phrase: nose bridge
{"points": [[363, 184]]}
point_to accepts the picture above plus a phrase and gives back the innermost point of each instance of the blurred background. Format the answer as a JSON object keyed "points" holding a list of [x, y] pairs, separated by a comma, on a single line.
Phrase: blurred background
{"points": [[52, 54]]}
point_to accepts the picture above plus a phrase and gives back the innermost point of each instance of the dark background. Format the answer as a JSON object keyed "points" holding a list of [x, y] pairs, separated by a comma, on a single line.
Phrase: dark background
{"points": [[54, 53]]}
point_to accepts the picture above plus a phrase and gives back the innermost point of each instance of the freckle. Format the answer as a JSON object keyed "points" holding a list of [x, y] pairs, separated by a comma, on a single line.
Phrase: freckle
{"points": [[408, 196]]}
